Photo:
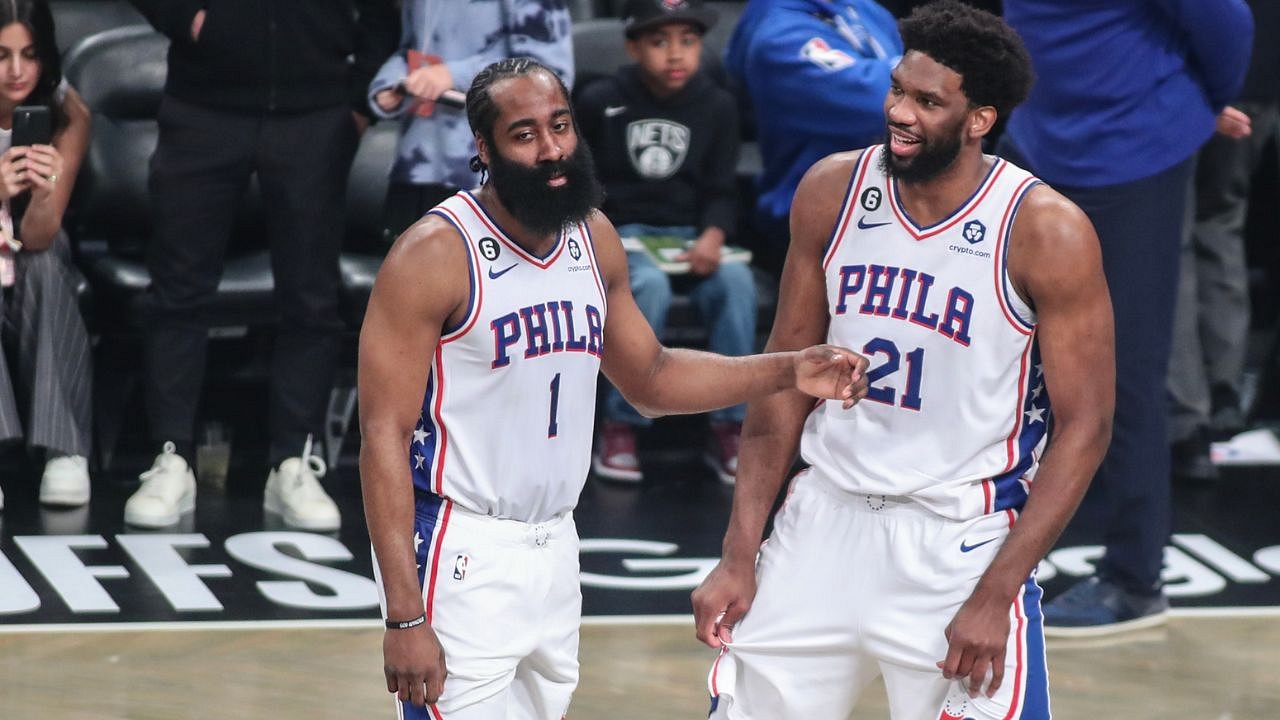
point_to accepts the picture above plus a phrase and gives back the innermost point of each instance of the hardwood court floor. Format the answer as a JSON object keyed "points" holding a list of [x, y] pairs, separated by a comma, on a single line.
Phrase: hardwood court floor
{"points": [[1197, 668]]}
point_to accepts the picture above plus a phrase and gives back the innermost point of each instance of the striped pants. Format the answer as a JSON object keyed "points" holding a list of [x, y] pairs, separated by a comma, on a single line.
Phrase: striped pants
{"points": [[46, 367]]}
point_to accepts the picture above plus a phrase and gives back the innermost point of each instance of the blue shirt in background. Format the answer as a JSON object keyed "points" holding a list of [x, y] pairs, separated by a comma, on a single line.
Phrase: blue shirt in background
{"points": [[817, 72], [1124, 89]]}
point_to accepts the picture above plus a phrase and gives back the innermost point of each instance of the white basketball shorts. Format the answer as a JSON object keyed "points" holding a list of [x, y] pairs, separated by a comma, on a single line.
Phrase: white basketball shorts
{"points": [[851, 587], [505, 600]]}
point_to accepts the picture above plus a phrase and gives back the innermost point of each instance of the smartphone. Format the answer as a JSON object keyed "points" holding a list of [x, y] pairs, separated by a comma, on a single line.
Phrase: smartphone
{"points": [[32, 125]]}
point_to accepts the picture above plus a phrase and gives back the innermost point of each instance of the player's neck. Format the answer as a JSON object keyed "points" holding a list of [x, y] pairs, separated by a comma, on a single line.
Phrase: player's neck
{"points": [[536, 245], [931, 201]]}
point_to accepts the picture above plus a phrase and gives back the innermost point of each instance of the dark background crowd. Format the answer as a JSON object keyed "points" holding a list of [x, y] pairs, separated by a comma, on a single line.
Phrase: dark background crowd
{"points": [[187, 255]]}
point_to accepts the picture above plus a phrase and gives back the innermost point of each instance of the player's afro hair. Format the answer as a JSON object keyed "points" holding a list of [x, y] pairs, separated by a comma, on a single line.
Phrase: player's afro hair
{"points": [[993, 64]]}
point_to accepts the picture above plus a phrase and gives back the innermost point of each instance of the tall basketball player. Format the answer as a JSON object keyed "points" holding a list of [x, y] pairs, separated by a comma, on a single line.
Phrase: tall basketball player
{"points": [[908, 547], [487, 327]]}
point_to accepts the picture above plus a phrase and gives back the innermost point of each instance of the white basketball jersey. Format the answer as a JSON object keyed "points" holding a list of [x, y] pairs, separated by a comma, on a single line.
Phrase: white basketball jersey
{"points": [[956, 414], [508, 417]]}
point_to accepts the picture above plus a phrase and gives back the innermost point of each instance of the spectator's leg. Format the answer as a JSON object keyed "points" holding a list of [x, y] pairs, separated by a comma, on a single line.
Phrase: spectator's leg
{"points": [[10, 420], [54, 362], [303, 164], [1223, 183], [1140, 226], [726, 299], [1188, 383], [198, 174], [651, 288]]}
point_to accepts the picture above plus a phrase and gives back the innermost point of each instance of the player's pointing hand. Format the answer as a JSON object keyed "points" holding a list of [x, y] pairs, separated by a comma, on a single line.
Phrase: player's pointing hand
{"points": [[832, 373]]}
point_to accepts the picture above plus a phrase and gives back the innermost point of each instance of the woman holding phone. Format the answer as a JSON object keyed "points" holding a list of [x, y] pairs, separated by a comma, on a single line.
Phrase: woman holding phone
{"points": [[45, 372]]}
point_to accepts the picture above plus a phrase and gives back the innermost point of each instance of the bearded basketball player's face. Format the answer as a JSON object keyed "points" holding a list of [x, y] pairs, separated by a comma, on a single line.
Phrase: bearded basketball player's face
{"points": [[541, 172], [926, 112]]}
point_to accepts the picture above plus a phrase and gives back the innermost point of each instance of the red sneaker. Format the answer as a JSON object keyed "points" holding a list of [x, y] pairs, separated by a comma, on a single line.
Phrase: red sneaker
{"points": [[615, 457], [722, 452]]}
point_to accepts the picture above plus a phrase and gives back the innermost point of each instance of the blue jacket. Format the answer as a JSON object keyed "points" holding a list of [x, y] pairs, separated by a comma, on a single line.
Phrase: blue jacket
{"points": [[467, 35], [817, 72], [1125, 89]]}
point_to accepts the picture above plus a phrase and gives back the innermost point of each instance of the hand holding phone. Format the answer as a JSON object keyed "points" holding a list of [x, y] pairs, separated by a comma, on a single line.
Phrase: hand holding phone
{"points": [[32, 125]]}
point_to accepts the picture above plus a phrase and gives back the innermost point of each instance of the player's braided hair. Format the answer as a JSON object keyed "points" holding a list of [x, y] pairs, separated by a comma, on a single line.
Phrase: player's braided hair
{"points": [[481, 110], [993, 63]]}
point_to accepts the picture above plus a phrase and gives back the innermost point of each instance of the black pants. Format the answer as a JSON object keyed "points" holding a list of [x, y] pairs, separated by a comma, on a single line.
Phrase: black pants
{"points": [[199, 172], [1140, 227], [407, 203]]}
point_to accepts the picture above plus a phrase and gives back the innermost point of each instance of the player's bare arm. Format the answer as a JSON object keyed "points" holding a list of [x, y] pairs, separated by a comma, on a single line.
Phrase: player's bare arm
{"points": [[664, 381], [771, 433], [421, 288], [1055, 263]]}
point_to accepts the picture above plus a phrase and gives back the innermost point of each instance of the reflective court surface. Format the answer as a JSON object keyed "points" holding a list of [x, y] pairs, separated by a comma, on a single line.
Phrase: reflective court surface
{"points": [[231, 615]]}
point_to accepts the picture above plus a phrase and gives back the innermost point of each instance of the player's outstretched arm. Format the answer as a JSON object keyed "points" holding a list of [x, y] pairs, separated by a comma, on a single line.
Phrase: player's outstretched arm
{"points": [[1055, 262], [402, 325], [771, 433], [665, 381]]}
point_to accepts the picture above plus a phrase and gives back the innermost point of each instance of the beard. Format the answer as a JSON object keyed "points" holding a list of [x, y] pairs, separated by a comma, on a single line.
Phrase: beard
{"points": [[539, 207], [934, 158]]}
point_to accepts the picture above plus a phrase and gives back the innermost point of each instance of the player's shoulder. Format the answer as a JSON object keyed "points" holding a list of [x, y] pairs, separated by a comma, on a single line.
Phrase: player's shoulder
{"points": [[831, 174], [431, 242], [1047, 213], [1050, 229]]}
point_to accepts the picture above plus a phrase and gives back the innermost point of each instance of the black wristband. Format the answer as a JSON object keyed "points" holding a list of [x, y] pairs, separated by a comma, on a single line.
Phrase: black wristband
{"points": [[405, 625]]}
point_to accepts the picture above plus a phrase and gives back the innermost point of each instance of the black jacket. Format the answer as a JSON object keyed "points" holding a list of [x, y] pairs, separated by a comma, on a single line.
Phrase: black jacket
{"points": [[663, 162], [274, 55]]}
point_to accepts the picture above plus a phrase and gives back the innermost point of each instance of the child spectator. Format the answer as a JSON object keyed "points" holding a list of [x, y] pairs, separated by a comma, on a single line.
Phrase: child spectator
{"points": [[665, 140]]}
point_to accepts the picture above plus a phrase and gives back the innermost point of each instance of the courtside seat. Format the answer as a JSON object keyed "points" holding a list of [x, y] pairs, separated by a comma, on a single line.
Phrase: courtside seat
{"points": [[365, 244], [75, 20], [121, 74]]}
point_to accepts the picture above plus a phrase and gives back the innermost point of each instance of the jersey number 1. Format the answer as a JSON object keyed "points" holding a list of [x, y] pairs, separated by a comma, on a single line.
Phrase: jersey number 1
{"points": [[552, 425]]}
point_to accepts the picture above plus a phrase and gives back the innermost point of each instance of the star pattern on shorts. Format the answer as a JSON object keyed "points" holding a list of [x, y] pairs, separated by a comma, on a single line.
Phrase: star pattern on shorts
{"points": [[420, 436], [418, 460]]}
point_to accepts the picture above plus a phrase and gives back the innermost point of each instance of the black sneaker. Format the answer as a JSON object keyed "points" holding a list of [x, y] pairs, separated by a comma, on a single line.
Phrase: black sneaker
{"points": [[1227, 419], [1190, 460], [1097, 607]]}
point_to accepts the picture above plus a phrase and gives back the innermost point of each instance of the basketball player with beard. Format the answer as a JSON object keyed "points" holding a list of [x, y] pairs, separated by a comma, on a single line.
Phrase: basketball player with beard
{"points": [[908, 547], [486, 330]]}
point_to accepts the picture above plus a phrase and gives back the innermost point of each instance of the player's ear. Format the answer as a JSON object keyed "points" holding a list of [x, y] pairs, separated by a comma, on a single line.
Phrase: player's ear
{"points": [[482, 149], [981, 120]]}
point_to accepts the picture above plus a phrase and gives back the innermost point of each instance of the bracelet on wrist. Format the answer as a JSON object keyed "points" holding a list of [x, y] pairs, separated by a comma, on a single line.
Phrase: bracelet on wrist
{"points": [[406, 624]]}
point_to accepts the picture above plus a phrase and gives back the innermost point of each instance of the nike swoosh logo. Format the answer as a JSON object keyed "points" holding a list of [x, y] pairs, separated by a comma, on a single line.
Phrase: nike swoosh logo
{"points": [[613, 110], [966, 548], [864, 225], [495, 275]]}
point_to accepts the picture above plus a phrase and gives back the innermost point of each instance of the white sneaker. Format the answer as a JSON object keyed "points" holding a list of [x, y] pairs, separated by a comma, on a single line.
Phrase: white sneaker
{"points": [[168, 490], [294, 491], [65, 481]]}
